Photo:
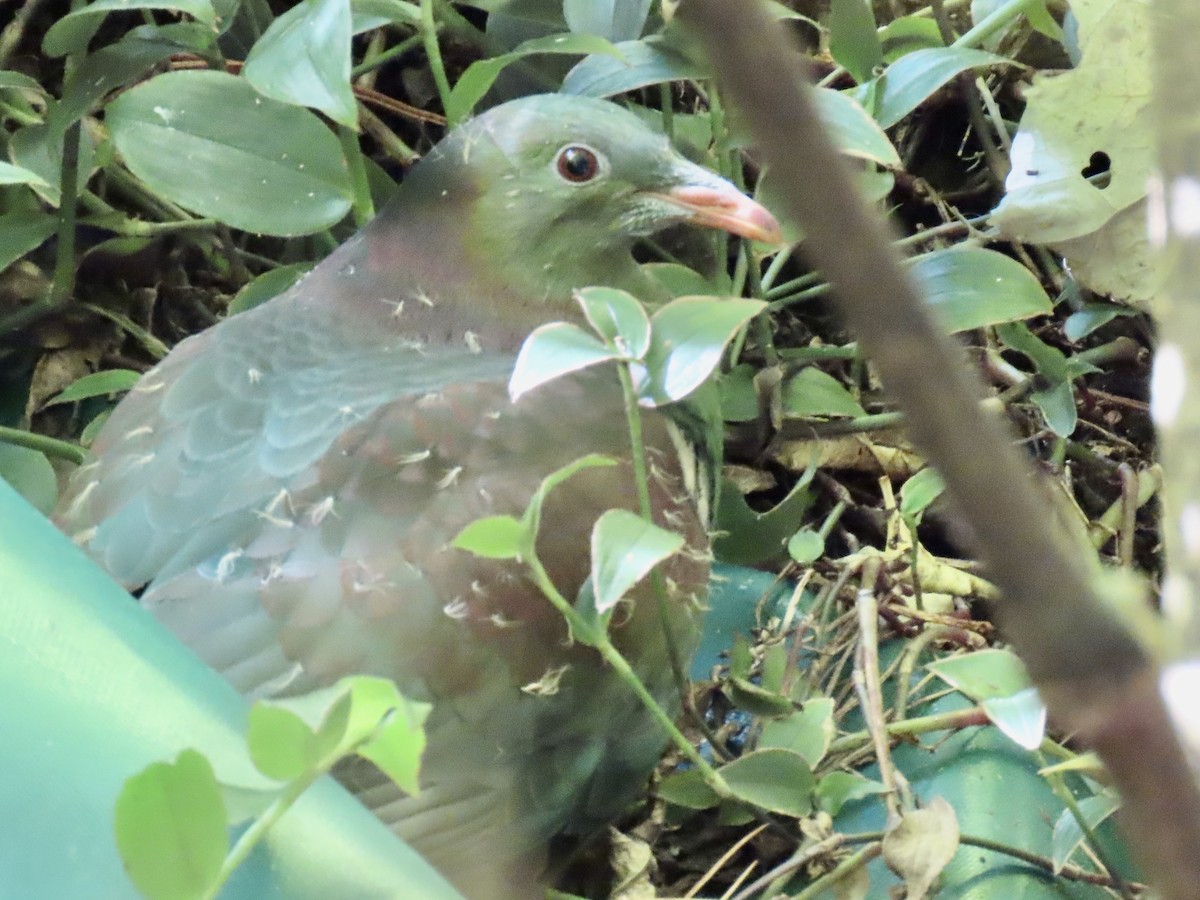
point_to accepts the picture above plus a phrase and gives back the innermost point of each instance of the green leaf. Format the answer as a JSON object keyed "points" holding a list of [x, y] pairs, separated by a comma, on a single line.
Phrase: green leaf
{"points": [[30, 474], [618, 318], [268, 285], [387, 728], [303, 59], [812, 393], [614, 20], [10, 174], [170, 827], [745, 536], [852, 129], [687, 339], [911, 79], [757, 700], [984, 674], [969, 287], [776, 780], [806, 546], [281, 744], [808, 732], [371, 14], [919, 491], [687, 789], [838, 788], [1057, 406], [98, 384], [1022, 717], [551, 351], [494, 537], [20, 81], [678, 280], [22, 232], [625, 547], [1068, 836], [1080, 323], [637, 65], [908, 33], [853, 41], [211, 143], [99, 74], [477, 80], [71, 33], [39, 148]]}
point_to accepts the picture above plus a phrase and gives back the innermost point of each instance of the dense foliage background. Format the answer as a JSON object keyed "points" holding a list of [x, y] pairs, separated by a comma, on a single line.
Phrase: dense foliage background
{"points": [[173, 162]]}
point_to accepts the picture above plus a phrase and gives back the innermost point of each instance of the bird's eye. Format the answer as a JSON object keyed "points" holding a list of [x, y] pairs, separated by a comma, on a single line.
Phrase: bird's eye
{"points": [[577, 164]]}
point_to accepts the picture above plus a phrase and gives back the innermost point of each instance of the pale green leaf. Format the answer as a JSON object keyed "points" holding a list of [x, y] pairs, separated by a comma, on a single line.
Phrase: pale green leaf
{"points": [[687, 339], [170, 828], [303, 59], [281, 744], [618, 318], [554, 350], [625, 547], [494, 537]]}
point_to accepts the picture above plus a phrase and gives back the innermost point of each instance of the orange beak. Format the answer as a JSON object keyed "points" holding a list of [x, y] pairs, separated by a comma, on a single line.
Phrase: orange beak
{"points": [[730, 210]]}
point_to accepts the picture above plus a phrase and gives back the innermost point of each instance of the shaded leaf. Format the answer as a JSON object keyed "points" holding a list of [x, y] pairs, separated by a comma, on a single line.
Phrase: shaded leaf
{"points": [[211, 143], [984, 674], [98, 384], [269, 284], [687, 789], [838, 788], [479, 77], [775, 780], [970, 287], [910, 80], [71, 33], [808, 731], [614, 20], [29, 473], [745, 536], [812, 393], [639, 64]]}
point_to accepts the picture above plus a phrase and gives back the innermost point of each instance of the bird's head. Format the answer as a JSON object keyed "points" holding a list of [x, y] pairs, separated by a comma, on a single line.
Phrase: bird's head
{"points": [[563, 186]]}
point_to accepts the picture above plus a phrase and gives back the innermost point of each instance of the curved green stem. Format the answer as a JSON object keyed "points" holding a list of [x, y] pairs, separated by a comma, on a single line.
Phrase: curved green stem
{"points": [[429, 36], [48, 445]]}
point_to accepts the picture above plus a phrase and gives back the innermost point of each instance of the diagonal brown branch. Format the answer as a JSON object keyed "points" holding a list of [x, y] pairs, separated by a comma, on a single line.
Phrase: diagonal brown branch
{"points": [[1093, 675]]}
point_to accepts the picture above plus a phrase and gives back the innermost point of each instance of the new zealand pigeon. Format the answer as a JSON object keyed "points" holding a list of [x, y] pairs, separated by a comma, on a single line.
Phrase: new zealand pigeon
{"points": [[284, 486]]}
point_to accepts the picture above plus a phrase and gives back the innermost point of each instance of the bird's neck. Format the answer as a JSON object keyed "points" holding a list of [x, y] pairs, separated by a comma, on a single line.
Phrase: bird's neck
{"points": [[424, 272]]}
